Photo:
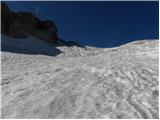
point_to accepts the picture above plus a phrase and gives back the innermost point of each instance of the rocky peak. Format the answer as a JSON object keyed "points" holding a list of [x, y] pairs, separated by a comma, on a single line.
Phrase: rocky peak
{"points": [[47, 24], [24, 24]]}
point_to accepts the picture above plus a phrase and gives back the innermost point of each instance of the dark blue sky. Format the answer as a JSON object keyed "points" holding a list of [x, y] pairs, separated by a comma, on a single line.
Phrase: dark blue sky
{"points": [[100, 24]]}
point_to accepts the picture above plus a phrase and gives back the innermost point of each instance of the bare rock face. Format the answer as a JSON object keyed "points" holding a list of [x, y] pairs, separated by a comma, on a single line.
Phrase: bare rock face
{"points": [[45, 25], [23, 24], [47, 30]]}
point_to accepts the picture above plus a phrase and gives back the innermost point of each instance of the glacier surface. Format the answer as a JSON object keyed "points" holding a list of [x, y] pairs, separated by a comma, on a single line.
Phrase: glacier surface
{"points": [[120, 82]]}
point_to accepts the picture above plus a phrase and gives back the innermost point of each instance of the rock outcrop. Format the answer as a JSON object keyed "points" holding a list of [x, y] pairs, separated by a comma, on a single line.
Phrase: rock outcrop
{"points": [[24, 24]]}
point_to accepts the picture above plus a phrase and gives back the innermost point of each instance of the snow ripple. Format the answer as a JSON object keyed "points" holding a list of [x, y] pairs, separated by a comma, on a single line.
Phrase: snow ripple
{"points": [[120, 83]]}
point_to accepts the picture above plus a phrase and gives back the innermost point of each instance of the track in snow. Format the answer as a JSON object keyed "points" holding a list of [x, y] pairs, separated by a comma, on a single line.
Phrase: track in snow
{"points": [[120, 82]]}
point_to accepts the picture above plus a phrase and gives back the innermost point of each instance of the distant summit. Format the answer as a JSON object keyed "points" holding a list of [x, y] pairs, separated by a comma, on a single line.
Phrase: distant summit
{"points": [[23, 24]]}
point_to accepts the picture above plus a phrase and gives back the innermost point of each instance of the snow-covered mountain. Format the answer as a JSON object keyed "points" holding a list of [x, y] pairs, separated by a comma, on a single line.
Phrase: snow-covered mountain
{"points": [[79, 82]]}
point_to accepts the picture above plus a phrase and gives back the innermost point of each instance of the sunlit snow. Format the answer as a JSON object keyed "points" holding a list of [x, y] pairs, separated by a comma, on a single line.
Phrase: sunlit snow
{"points": [[120, 82]]}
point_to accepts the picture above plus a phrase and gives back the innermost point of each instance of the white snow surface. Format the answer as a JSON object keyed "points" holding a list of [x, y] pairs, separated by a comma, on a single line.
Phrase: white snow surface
{"points": [[120, 82]]}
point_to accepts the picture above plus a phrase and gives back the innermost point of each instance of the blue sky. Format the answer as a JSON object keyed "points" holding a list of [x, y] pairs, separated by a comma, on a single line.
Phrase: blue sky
{"points": [[97, 23]]}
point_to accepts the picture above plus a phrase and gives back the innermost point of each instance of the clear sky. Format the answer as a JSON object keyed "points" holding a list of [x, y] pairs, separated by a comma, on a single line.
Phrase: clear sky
{"points": [[97, 23]]}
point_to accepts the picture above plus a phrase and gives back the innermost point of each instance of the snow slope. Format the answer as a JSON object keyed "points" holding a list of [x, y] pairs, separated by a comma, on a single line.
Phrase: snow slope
{"points": [[120, 82], [29, 45]]}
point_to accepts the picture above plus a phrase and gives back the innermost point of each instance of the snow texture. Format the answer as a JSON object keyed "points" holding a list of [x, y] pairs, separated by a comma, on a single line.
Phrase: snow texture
{"points": [[120, 82]]}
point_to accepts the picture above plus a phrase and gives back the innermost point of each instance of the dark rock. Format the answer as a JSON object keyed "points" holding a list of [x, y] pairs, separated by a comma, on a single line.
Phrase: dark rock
{"points": [[23, 24], [49, 28], [47, 24]]}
